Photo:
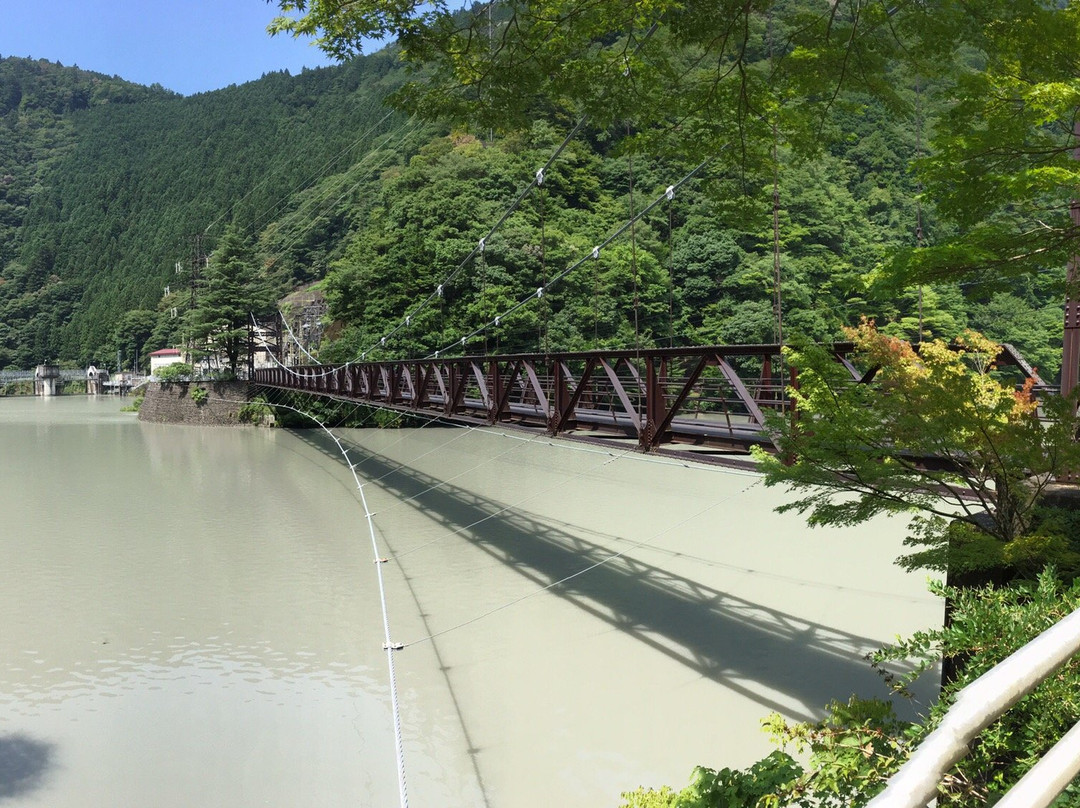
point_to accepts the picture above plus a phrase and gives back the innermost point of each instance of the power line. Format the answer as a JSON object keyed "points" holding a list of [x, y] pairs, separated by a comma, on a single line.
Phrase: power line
{"points": [[405, 132], [321, 172], [478, 249], [668, 194], [536, 182], [440, 289]]}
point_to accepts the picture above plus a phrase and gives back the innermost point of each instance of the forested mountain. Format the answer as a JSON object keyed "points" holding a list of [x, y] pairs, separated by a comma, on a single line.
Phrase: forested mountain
{"points": [[698, 269], [105, 184], [101, 198], [38, 100]]}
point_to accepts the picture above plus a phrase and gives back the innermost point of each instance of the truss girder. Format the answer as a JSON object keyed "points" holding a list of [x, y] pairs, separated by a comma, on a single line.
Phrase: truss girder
{"points": [[717, 395]]}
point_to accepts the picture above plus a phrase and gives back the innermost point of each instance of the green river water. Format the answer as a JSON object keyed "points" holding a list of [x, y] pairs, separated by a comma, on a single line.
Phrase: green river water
{"points": [[190, 616]]}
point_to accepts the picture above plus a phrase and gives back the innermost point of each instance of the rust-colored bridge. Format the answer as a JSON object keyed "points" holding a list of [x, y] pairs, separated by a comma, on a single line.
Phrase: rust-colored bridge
{"points": [[716, 395]]}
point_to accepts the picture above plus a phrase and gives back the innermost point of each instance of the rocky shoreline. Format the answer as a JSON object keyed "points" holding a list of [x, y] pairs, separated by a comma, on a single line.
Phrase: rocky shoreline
{"points": [[221, 403]]}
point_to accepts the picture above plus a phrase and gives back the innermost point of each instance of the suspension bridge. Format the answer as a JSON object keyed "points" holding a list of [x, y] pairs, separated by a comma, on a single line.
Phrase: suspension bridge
{"points": [[715, 397]]}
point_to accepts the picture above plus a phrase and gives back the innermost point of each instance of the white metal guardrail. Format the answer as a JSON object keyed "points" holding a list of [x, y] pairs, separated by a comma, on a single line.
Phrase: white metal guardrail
{"points": [[980, 704]]}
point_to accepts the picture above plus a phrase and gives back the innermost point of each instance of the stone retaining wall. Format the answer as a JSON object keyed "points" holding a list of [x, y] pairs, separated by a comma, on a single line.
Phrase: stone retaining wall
{"points": [[171, 403]]}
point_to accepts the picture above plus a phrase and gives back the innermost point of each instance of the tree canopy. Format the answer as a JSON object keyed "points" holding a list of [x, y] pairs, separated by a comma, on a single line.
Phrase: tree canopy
{"points": [[695, 77], [934, 433]]}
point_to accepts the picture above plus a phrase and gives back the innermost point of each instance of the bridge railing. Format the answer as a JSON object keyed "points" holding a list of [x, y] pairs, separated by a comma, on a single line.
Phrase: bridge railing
{"points": [[9, 376], [714, 395], [980, 704], [67, 375]]}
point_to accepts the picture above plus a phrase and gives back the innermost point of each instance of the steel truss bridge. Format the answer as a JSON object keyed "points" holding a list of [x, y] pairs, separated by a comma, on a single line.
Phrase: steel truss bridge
{"points": [[714, 396], [67, 375]]}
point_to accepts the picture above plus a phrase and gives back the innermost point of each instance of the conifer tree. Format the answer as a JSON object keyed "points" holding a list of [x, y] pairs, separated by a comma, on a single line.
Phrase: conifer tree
{"points": [[229, 291]]}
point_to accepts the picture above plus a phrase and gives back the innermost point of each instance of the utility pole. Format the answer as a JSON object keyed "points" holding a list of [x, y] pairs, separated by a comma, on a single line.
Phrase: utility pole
{"points": [[1070, 342], [196, 262], [491, 48]]}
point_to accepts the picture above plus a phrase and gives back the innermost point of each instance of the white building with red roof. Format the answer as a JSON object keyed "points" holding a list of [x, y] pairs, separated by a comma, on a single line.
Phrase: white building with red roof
{"points": [[166, 356]]}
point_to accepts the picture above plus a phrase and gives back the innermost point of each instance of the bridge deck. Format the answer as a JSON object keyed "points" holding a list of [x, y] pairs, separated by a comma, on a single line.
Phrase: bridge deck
{"points": [[714, 396]]}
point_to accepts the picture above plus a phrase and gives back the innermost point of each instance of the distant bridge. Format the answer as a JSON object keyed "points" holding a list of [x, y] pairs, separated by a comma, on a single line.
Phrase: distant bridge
{"points": [[121, 383], [9, 376], [715, 396]]}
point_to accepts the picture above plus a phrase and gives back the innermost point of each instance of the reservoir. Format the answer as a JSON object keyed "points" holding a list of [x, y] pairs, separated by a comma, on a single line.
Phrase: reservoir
{"points": [[191, 616]]}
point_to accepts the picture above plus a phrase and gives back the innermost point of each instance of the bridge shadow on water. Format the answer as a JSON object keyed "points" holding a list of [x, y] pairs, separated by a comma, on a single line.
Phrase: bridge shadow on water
{"points": [[754, 650], [24, 764]]}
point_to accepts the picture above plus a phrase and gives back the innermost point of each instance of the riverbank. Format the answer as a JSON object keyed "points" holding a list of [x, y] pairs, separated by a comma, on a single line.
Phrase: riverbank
{"points": [[218, 403]]}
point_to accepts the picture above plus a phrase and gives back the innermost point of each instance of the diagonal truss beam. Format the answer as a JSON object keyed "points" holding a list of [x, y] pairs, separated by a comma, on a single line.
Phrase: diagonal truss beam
{"points": [[716, 397]]}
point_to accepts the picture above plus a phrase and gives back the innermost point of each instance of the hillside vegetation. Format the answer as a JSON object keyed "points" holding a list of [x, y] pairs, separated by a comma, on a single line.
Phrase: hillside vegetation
{"points": [[105, 184]]}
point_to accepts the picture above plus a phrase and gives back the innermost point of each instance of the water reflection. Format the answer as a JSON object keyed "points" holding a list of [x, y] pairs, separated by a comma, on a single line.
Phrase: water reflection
{"points": [[183, 618]]}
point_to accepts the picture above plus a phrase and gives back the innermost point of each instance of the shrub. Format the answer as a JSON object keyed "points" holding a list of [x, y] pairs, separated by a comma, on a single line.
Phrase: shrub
{"points": [[176, 372], [254, 411]]}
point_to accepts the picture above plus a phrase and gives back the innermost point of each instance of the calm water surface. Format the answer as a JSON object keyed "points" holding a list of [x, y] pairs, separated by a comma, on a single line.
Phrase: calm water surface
{"points": [[189, 617]]}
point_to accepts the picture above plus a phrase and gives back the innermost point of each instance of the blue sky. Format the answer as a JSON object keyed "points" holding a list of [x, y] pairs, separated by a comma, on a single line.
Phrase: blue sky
{"points": [[189, 46]]}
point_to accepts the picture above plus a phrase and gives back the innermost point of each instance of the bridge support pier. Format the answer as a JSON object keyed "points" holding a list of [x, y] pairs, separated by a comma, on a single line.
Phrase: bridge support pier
{"points": [[47, 380]]}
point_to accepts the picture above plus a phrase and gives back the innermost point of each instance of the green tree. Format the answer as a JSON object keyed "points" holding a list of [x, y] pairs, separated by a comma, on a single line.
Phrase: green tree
{"points": [[703, 74], [1000, 166], [230, 291], [176, 372], [997, 82], [937, 435], [132, 332]]}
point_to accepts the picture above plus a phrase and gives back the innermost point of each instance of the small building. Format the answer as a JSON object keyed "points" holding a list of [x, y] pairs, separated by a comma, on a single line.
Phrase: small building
{"points": [[96, 379], [164, 357]]}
